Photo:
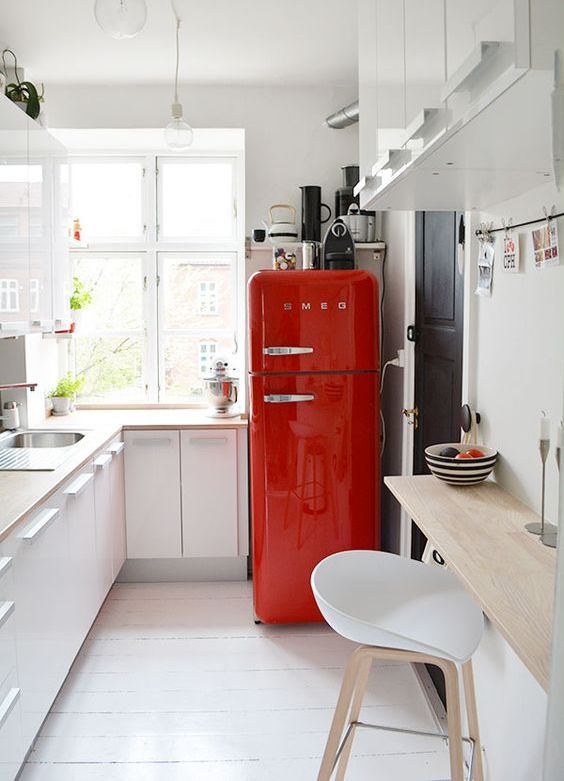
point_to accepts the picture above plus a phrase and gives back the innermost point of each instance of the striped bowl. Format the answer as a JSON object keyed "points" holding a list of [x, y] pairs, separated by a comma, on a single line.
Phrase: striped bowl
{"points": [[464, 471]]}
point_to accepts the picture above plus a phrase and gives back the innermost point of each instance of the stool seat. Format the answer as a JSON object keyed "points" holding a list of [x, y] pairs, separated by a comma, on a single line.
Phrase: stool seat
{"points": [[381, 599]]}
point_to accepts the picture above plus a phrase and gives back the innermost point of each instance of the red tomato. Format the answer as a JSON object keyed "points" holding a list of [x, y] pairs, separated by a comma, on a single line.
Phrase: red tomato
{"points": [[475, 453], [463, 455]]}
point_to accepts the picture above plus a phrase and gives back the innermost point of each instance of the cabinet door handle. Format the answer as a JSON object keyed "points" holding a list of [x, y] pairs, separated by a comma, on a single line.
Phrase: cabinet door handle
{"points": [[207, 440], [287, 350], [116, 447], [43, 520], [7, 705], [285, 398], [102, 461], [157, 442], [78, 485], [6, 610], [5, 564]]}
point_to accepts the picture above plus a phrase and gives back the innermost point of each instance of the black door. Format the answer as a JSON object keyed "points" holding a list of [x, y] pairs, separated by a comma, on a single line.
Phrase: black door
{"points": [[439, 302]]}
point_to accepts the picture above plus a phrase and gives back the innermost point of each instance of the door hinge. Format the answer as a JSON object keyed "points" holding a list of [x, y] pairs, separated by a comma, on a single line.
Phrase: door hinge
{"points": [[158, 280], [144, 171], [412, 415], [412, 333], [145, 283]]}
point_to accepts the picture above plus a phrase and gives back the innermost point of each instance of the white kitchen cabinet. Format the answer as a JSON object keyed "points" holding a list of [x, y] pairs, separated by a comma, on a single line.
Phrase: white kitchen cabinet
{"points": [[209, 493], [83, 555], [117, 489], [104, 522], [152, 494], [41, 586]]}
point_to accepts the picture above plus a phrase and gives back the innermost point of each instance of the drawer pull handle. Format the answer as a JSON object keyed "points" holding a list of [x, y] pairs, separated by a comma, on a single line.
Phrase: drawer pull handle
{"points": [[43, 520], [78, 485], [7, 705], [208, 440], [6, 610], [102, 461], [5, 564], [116, 447], [157, 442]]}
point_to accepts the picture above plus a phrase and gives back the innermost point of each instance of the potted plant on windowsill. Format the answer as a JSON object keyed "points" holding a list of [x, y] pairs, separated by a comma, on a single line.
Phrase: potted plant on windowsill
{"points": [[64, 394], [81, 298]]}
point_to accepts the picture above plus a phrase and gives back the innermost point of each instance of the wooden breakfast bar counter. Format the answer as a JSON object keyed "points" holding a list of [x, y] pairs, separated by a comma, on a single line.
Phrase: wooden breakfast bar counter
{"points": [[480, 533]]}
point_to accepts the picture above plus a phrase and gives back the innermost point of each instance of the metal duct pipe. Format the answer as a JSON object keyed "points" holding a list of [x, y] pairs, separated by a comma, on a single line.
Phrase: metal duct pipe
{"points": [[343, 117]]}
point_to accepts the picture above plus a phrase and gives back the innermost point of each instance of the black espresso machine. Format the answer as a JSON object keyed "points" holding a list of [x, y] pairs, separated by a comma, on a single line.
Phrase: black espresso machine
{"points": [[338, 247]]}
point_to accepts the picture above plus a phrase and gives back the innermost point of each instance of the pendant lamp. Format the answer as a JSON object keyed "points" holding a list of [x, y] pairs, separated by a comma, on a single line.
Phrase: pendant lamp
{"points": [[121, 18]]}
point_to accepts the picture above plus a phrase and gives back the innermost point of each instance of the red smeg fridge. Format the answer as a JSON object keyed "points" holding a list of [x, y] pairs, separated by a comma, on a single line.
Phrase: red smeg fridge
{"points": [[314, 430]]}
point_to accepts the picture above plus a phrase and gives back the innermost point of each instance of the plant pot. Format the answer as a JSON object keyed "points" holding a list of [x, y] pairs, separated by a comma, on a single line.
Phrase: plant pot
{"points": [[61, 405], [76, 319]]}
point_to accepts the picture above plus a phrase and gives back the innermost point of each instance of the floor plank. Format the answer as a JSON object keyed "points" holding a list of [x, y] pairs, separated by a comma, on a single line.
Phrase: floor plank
{"points": [[175, 681]]}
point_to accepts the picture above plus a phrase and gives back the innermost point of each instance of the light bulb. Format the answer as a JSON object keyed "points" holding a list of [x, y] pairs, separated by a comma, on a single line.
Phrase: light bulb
{"points": [[178, 133], [121, 18]]}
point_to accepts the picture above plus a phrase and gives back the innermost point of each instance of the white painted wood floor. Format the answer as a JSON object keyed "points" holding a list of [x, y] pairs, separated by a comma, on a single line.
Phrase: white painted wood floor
{"points": [[175, 682]]}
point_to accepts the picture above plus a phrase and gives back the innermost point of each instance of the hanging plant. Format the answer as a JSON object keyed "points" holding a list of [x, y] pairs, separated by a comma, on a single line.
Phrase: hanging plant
{"points": [[23, 92]]}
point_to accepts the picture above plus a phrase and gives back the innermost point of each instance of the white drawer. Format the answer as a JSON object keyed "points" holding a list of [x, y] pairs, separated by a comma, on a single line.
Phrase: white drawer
{"points": [[12, 750], [7, 640]]}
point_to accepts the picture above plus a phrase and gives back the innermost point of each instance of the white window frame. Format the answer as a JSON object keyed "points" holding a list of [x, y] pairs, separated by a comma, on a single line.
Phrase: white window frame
{"points": [[207, 307], [9, 292], [34, 290], [151, 246]]}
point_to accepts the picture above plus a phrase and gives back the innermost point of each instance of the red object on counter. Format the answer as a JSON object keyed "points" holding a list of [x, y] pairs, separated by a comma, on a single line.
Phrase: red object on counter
{"points": [[314, 430]]}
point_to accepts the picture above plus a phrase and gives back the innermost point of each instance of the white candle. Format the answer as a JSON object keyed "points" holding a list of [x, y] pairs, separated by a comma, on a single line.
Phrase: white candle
{"points": [[544, 427]]}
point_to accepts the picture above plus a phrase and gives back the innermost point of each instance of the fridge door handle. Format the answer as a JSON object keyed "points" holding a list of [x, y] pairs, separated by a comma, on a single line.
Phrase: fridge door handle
{"points": [[285, 398], [287, 350]]}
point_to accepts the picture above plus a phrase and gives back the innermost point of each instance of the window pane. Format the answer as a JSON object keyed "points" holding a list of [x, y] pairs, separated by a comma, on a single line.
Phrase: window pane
{"points": [[196, 200], [107, 198], [14, 202], [116, 286], [198, 293], [112, 367], [188, 359]]}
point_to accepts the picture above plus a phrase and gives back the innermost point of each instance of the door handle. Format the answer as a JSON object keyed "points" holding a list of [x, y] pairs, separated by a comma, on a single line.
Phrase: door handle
{"points": [[5, 564], [156, 442], [287, 350], [7, 705], [102, 461], [6, 610], [284, 398], [412, 416], [116, 447], [207, 440], [44, 520], [78, 486]]}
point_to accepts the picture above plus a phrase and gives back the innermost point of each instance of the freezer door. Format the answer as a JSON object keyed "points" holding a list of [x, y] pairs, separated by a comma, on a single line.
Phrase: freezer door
{"points": [[314, 482], [309, 321]]}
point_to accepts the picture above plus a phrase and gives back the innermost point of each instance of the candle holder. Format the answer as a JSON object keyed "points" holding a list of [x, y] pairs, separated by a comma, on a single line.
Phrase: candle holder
{"points": [[550, 538], [543, 529]]}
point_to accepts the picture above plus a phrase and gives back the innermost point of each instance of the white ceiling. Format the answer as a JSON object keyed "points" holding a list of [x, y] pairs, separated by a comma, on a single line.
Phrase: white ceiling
{"points": [[267, 42]]}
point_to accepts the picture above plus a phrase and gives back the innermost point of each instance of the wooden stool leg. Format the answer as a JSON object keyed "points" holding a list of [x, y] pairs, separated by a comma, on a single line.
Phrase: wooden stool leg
{"points": [[472, 712], [453, 720], [341, 713], [361, 683]]}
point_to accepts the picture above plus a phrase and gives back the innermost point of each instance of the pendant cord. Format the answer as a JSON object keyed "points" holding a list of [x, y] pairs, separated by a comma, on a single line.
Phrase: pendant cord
{"points": [[178, 23]]}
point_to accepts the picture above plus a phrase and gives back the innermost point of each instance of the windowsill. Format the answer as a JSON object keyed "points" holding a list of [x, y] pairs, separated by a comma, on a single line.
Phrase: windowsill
{"points": [[140, 405]]}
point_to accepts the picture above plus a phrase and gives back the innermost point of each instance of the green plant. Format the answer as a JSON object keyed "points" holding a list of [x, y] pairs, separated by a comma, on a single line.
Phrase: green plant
{"points": [[81, 296], [67, 387], [23, 91]]}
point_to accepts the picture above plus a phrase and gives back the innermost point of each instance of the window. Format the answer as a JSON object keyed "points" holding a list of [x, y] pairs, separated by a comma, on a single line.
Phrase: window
{"points": [[206, 298], [207, 353], [9, 295], [162, 273]]}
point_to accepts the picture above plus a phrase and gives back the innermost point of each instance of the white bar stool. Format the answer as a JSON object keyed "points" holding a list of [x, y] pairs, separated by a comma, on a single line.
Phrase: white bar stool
{"points": [[402, 610]]}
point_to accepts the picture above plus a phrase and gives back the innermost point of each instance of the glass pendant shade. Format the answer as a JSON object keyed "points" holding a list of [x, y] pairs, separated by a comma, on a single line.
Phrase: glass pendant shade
{"points": [[121, 18], [178, 133]]}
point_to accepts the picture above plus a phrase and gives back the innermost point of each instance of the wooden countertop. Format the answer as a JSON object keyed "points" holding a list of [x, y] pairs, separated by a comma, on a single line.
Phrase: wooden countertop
{"points": [[479, 530], [23, 492]]}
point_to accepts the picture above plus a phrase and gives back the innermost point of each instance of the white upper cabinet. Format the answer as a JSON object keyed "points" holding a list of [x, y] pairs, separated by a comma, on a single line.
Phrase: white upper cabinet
{"points": [[438, 84], [34, 264]]}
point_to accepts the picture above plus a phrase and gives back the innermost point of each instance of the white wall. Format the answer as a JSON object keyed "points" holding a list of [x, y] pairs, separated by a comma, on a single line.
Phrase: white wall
{"points": [[286, 143]]}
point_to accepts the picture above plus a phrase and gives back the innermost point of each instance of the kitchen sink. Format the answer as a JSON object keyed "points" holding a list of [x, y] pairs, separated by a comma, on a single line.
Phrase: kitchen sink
{"points": [[34, 439], [32, 451]]}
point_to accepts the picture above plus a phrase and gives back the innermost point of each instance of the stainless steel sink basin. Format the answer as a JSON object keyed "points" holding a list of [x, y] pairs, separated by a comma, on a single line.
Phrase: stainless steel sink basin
{"points": [[32, 451], [35, 439]]}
